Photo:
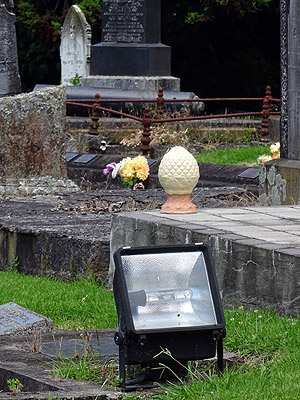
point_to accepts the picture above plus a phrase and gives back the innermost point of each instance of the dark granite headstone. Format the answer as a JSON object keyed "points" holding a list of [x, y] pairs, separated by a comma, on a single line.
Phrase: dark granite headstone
{"points": [[136, 21], [10, 82], [131, 40], [290, 79], [279, 179]]}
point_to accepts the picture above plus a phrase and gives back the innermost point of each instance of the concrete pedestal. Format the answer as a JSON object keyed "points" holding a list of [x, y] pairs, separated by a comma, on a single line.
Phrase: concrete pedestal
{"points": [[279, 182], [131, 59], [140, 83]]}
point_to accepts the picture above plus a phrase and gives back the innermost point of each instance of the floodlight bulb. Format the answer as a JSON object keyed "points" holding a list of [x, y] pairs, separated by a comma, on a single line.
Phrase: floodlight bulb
{"points": [[169, 295]]}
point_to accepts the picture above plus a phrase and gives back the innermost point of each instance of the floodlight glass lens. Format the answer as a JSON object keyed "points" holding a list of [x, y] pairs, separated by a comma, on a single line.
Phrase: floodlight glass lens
{"points": [[168, 290]]}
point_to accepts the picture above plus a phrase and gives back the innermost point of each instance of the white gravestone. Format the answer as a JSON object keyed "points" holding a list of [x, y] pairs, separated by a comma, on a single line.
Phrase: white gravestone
{"points": [[75, 46]]}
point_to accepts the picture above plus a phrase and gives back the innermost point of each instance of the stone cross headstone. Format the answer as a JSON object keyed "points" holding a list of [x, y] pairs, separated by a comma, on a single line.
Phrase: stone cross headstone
{"points": [[131, 40], [10, 82], [75, 46]]}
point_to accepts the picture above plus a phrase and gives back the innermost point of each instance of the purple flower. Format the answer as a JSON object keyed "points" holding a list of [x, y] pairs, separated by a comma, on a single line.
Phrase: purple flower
{"points": [[109, 168]]}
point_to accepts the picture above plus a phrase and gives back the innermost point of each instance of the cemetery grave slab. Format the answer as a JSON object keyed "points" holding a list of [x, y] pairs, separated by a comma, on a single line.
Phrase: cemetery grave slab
{"points": [[70, 234], [16, 320], [87, 169], [30, 367]]}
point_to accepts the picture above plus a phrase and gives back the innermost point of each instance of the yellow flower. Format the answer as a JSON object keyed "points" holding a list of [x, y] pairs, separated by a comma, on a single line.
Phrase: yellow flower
{"points": [[128, 169], [136, 168]]}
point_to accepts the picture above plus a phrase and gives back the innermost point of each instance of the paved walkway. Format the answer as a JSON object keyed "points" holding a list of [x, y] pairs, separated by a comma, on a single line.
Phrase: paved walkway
{"points": [[278, 226], [256, 250]]}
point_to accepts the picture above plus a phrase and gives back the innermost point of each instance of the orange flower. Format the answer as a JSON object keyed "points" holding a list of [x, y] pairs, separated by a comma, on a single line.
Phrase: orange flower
{"points": [[137, 167]]}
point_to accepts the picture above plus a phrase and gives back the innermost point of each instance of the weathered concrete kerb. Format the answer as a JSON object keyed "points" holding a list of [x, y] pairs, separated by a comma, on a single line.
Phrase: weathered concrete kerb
{"points": [[256, 250], [68, 236], [51, 242]]}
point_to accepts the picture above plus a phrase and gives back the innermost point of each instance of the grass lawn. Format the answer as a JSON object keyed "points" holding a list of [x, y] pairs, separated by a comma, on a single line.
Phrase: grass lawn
{"points": [[229, 156], [271, 347], [269, 344], [80, 304]]}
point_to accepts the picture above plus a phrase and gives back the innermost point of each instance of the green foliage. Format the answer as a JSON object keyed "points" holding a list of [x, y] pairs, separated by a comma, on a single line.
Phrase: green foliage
{"points": [[207, 9], [14, 385], [57, 26], [92, 10], [222, 50], [271, 372], [38, 34], [26, 15], [13, 266], [81, 367], [76, 80]]}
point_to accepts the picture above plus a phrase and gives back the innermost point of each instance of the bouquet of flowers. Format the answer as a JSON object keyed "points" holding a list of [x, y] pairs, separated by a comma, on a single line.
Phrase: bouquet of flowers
{"points": [[275, 153], [132, 171]]}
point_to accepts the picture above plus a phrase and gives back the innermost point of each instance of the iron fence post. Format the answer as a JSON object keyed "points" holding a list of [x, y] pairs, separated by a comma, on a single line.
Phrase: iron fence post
{"points": [[94, 124], [160, 102], [266, 110], [145, 139]]}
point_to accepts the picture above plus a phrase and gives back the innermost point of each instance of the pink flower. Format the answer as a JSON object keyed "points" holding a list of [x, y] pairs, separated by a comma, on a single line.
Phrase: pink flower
{"points": [[109, 168]]}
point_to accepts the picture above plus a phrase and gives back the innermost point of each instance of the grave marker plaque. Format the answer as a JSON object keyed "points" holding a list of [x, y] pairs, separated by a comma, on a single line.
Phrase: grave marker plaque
{"points": [[16, 320], [135, 21], [85, 158]]}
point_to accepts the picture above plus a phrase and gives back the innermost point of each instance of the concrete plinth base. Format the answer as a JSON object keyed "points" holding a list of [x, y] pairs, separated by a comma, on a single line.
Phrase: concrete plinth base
{"points": [[279, 182], [153, 83], [178, 204], [136, 59]]}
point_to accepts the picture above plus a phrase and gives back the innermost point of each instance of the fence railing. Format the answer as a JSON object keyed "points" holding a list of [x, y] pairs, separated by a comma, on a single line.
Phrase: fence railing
{"points": [[96, 107]]}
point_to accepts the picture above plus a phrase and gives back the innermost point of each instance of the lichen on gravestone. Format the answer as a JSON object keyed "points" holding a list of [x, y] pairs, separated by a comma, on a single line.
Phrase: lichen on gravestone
{"points": [[33, 139]]}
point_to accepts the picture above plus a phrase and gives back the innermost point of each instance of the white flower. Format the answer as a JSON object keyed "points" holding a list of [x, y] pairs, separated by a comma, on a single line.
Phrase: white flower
{"points": [[115, 170], [275, 147]]}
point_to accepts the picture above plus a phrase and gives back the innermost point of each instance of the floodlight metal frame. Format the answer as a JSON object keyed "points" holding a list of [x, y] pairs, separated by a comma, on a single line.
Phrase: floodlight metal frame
{"points": [[184, 343]]}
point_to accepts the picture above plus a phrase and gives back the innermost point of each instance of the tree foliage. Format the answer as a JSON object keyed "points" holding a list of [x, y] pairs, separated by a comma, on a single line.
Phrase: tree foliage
{"points": [[205, 10], [38, 31], [224, 48]]}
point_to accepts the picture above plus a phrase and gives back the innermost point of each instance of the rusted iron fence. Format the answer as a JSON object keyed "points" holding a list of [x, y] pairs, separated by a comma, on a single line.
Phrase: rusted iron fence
{"points": [[96, 108]]}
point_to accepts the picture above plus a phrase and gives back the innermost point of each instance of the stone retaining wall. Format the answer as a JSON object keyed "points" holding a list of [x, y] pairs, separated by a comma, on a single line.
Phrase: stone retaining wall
{"points": [[248, 273]]}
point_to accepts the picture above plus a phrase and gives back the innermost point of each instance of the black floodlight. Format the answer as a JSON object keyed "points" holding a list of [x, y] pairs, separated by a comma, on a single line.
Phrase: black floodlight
{"points": [[167, 297]]}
